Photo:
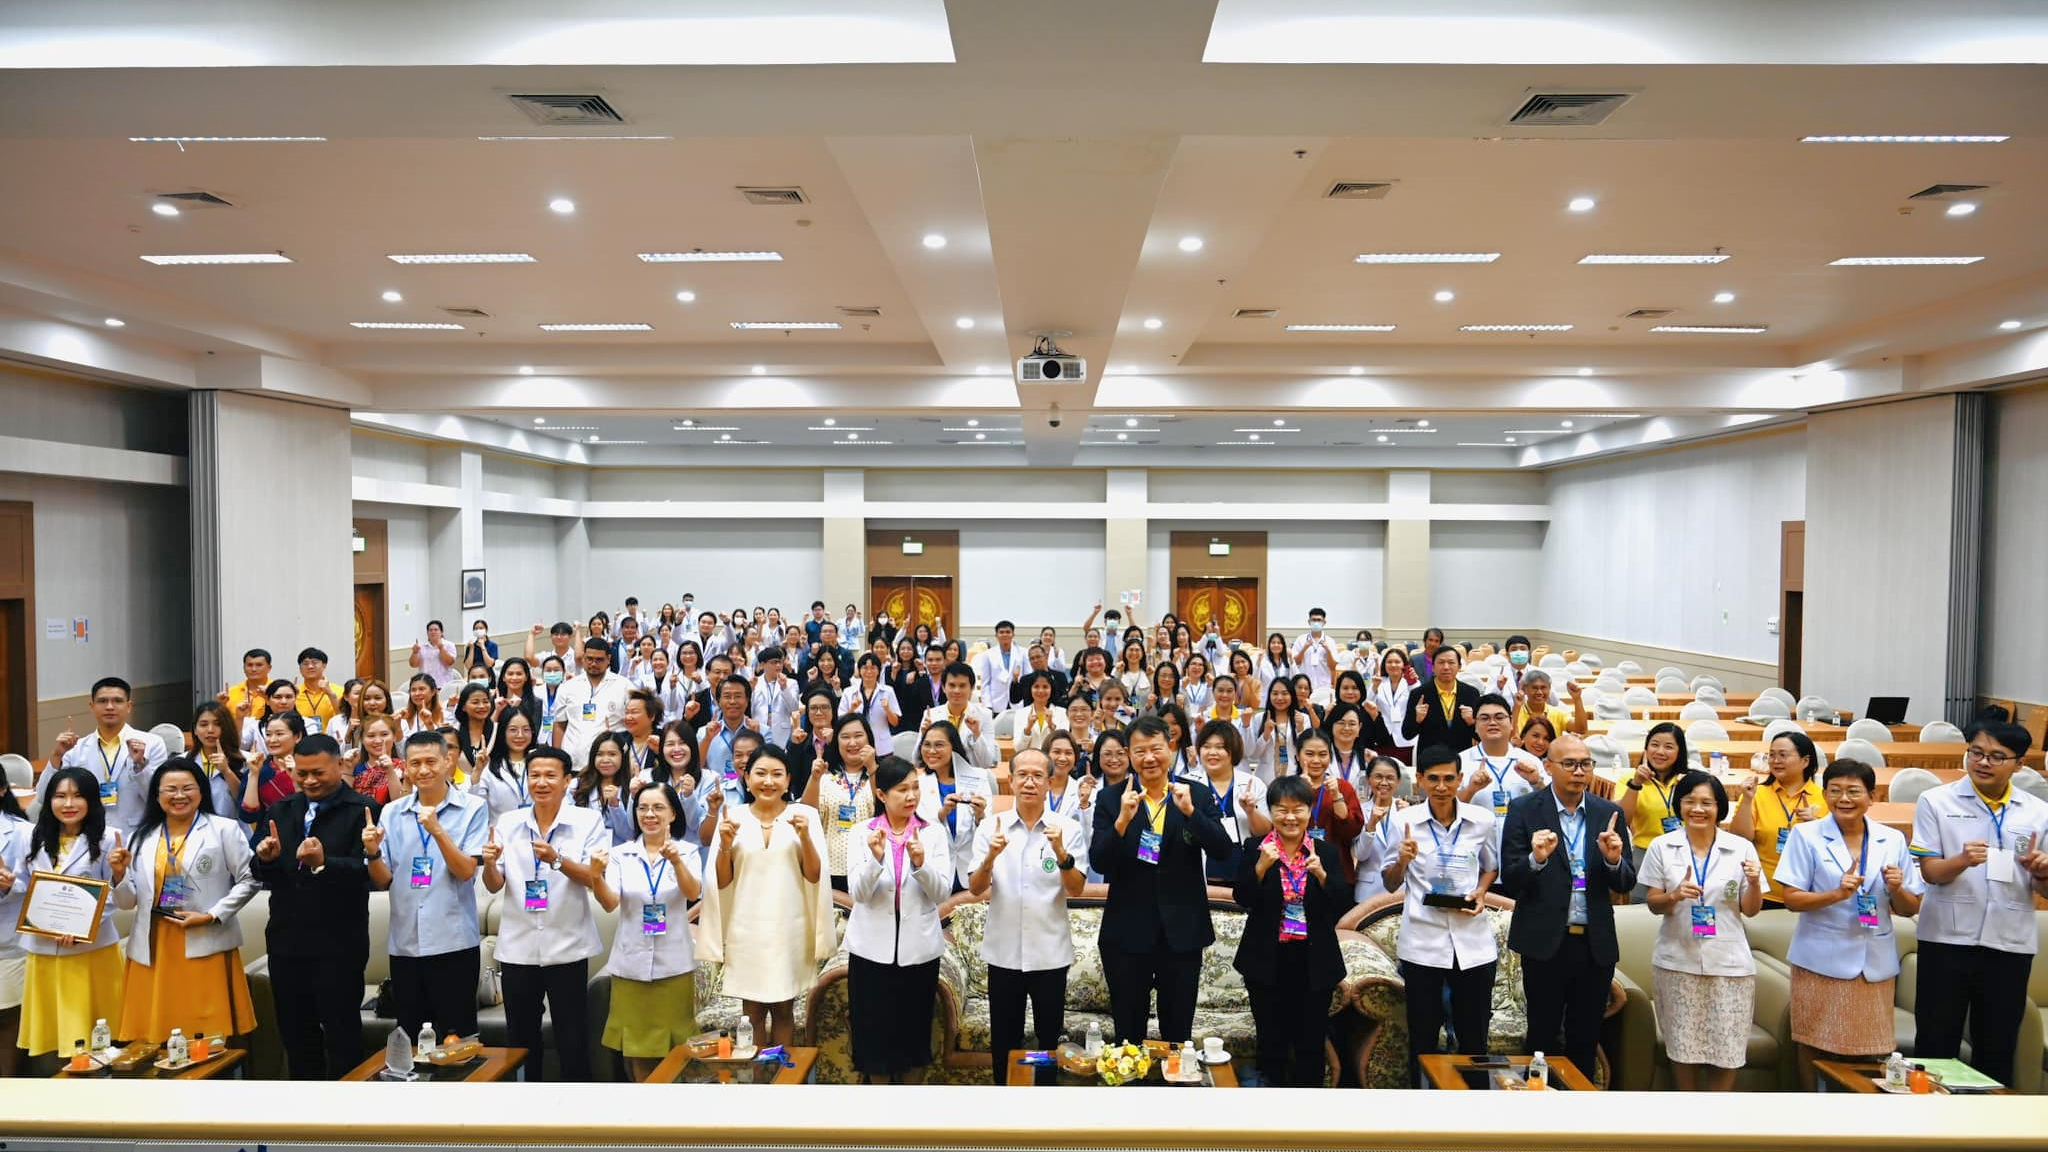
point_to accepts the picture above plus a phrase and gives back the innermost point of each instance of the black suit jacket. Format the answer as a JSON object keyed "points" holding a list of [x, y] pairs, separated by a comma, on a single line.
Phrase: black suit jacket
{"points": [[328, 914], [1449, 731], [1258, 951], [1543, 895], [1020, 692], [1170, 897]]}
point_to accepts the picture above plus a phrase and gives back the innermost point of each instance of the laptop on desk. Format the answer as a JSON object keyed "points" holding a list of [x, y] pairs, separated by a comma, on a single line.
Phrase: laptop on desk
{"points": [[1887, 709]]}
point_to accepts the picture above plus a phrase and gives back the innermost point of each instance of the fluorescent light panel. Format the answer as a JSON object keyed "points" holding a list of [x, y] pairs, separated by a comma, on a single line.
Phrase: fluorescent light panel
{"points": [[227, 139], [1894, 261], [1340, 327], [597, 327], [405, 324], [835, 428], [1712, 329], [858, 443], [710, 257], [705, 428], [615, 441], [1654, 258], [1247, 443], [1427, 257], [1903, 139], [461, 258], [1260, 431], [1399, 431], [1486, 444], [786, 324], [1003, 430], [221, 258], [1515, 328], [577, 138]]}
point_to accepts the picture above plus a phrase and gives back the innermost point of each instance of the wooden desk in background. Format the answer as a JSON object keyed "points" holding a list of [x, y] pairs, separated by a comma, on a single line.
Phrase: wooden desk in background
{"points": [[1897, 754], [1821, 733]]}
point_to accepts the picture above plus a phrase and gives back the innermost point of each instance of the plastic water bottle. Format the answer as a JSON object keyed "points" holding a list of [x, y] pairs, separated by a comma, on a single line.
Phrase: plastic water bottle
{"points": [[1720, 764], [176, 1048], [1539, 1072], [426, 1047], [1188, 1066], [102, 1037], [1091, 1043], [743, 1036], [1895, 1072]]}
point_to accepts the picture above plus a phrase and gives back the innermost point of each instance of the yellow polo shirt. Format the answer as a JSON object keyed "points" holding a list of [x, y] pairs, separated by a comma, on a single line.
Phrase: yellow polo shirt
{"points": [[1772, 814]]}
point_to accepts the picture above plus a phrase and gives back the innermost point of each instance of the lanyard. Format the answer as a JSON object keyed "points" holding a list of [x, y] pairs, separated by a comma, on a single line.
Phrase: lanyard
{"points": [[1664, 794], [1700, 864], [1315, 814], [1433, 835], [109, 760], [1293, 870], [1500, 774], [729, 738], [1573, 841], [654, 876], [176, 852], [1863, 858], [1224, 800], [421, 825], [549, 840], [1155, 815], [1997, 814], [846, 781]]}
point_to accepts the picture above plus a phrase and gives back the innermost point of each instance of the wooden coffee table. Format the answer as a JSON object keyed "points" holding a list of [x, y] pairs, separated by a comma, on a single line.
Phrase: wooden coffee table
{"points": [[1862, 1076], [207, 1069], [1462, 1073], [1222, 1075], [496, 1064], [679, 1063]]}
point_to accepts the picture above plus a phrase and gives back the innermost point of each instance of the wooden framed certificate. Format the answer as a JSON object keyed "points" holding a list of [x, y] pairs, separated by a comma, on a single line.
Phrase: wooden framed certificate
{"points": [[59, 905]]}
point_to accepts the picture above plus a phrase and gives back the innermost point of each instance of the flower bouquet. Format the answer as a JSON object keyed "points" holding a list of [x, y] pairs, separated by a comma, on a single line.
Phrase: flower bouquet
{"points": [[1123, 1063]]}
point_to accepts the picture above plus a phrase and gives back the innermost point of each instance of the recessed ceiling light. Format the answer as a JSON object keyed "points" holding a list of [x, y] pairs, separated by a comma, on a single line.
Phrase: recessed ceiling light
{"points": [[934, 241], [1713, 329], [1903, 139], [710, 257], [962, 322], [1279, 423], [461, 258], [1892, 261], [1253, 436], [830, 421], [1382, 439], [164, 208], [1515, 328], [221, 258], [1340, 327], [562, 206], [1962, 209], [1509, 439], [1154, 323], [114, 322], [1356, 370], [982, 369], [1427, 257], [787, 325], [1724, 297], [760, 369], [1123, 435], [1564, 424], [1445, 296], [540, 419], [1585, 371], [1422, 423], [611, 326], [393, 297], [853, 435], [2008, 325], [974, 423], [1191, 243], [406, 324], [686, 297], [1654, 258], [981, 435], [227, 139], [526, 369], [725, 435], [593, 438], [1130, 421], [1581, 204]]}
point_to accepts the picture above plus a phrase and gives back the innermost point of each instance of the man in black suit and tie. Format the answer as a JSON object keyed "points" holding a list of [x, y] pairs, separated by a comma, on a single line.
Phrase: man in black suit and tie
{"points": [[926, 692], [1443, 711], [1149, 841], [1562, 854]]}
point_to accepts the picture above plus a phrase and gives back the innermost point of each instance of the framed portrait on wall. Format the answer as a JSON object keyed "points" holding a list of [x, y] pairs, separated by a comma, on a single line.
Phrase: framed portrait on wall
{"points": [[472, 588]]}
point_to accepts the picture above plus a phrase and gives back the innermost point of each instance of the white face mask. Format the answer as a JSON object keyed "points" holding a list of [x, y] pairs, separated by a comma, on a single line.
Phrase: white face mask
{"points": [[1315, 628]]}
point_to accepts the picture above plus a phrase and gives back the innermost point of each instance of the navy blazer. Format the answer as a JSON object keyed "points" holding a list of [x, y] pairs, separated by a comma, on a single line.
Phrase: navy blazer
{"points": [[1542, 896], [1170, 897], [1448, 731], [1258, 950]]}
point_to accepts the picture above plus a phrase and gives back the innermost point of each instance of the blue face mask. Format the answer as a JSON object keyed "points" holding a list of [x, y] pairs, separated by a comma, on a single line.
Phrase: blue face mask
{"points": [[1518, 657], [551, 678]]}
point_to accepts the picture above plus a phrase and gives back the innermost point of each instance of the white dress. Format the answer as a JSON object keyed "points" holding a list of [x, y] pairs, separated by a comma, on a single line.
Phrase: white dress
{"points": [[771, 928]]}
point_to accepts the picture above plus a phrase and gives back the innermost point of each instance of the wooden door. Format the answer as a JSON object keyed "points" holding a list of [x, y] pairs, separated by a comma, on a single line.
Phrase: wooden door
{"points": [[911, 600], [370, 641], [1233, 601], [17, 627], [9, 633], [1791, 602]]}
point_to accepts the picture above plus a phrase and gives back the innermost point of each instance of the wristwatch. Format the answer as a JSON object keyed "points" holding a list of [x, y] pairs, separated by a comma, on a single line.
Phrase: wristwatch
{"points": [[1635, 785], [1067, 864]]}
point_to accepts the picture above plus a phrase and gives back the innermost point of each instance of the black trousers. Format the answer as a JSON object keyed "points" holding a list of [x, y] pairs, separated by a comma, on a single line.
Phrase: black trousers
{"points": [[1008, 991], [440, 990], [1987, 985], [319, 1002], [1292, 1019], [566, 988], [1567, 994], [1471, 1009], [1133, 976]]}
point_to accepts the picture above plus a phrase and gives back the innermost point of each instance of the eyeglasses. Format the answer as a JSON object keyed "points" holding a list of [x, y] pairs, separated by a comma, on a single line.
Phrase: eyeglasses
{"points": [[174, 793], [1576, 765], [1851, 793], [1996, 758]]}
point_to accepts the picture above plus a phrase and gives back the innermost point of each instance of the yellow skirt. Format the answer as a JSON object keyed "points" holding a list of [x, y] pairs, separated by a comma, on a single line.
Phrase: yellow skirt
{"points": [[209, 995], [65, 994]]}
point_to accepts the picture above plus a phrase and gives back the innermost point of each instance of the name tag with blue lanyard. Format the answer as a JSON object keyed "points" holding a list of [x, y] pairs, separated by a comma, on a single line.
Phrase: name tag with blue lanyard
{"points": [[654, 913], [175, 892], [1149, 841], [1315, 815], [423, 864], [1866, 896], [1670, 821], [536, 889], [1702, 912], [1500, 783], [1443, 883], [1575, 856]]}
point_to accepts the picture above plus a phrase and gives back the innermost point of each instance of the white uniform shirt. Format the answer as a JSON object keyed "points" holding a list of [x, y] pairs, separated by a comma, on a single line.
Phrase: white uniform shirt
{"points": [[1246, 796], [1669, 862], [774, 707], [1027, 928], [875, 707], [1309, 652], [1833, 940], [565, 930], [1991, 904], [436, 662], [14, 837], [995, 671], [1501, 782], [1453, 857], [589, 710], [982, 750], [123, 785], [76, 862], [643, 878]]}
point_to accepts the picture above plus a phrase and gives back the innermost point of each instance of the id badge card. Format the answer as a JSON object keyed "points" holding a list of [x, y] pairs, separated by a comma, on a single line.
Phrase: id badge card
{"points": [[1148, 846], [590, 709], [1316, 833], [1670, 824], [1500, 801], [1294, 918], [1866, 909], [846, 815], [1784, 835], [1578, 875], [423, 872], [1230, 828], [1703, 920], [174, 894], [654, 919], [110, 792], [1999, 866], [536, 895]]}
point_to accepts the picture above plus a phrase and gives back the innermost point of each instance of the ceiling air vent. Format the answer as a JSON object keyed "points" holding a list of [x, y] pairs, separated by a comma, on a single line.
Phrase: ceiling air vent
{"points": [[1359, 190], [195, 199], [1648, 314], [1255, 313], [1946, 191], [773, 197], [1568, 109], [860, 310], [567, 110], [470, 313]]}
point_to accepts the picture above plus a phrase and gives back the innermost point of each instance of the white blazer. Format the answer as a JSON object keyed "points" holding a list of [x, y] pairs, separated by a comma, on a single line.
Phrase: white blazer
{"points": [[1262, 748], [1020, 739], [881, 929], [74, 863], [217, 863]]}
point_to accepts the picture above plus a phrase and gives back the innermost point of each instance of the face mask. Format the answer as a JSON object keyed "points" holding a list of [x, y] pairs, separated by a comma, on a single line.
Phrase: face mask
{"points": [[1315, 629], [480, 633], [551, 678], [1518, 658], [481, 683]]}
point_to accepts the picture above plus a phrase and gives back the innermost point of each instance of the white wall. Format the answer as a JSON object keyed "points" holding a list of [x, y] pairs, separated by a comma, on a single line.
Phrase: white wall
{"points": [[387, 457], [1000, 485], [1485, 578], [1675, 549], [519, 477], [1185, 486], [1338, 567], [2016, 562], [1033, 573], [705, 484], [519, 562], [1878, 489], [1486, 487], [405, 571], [727, 564], [47, 406]]}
